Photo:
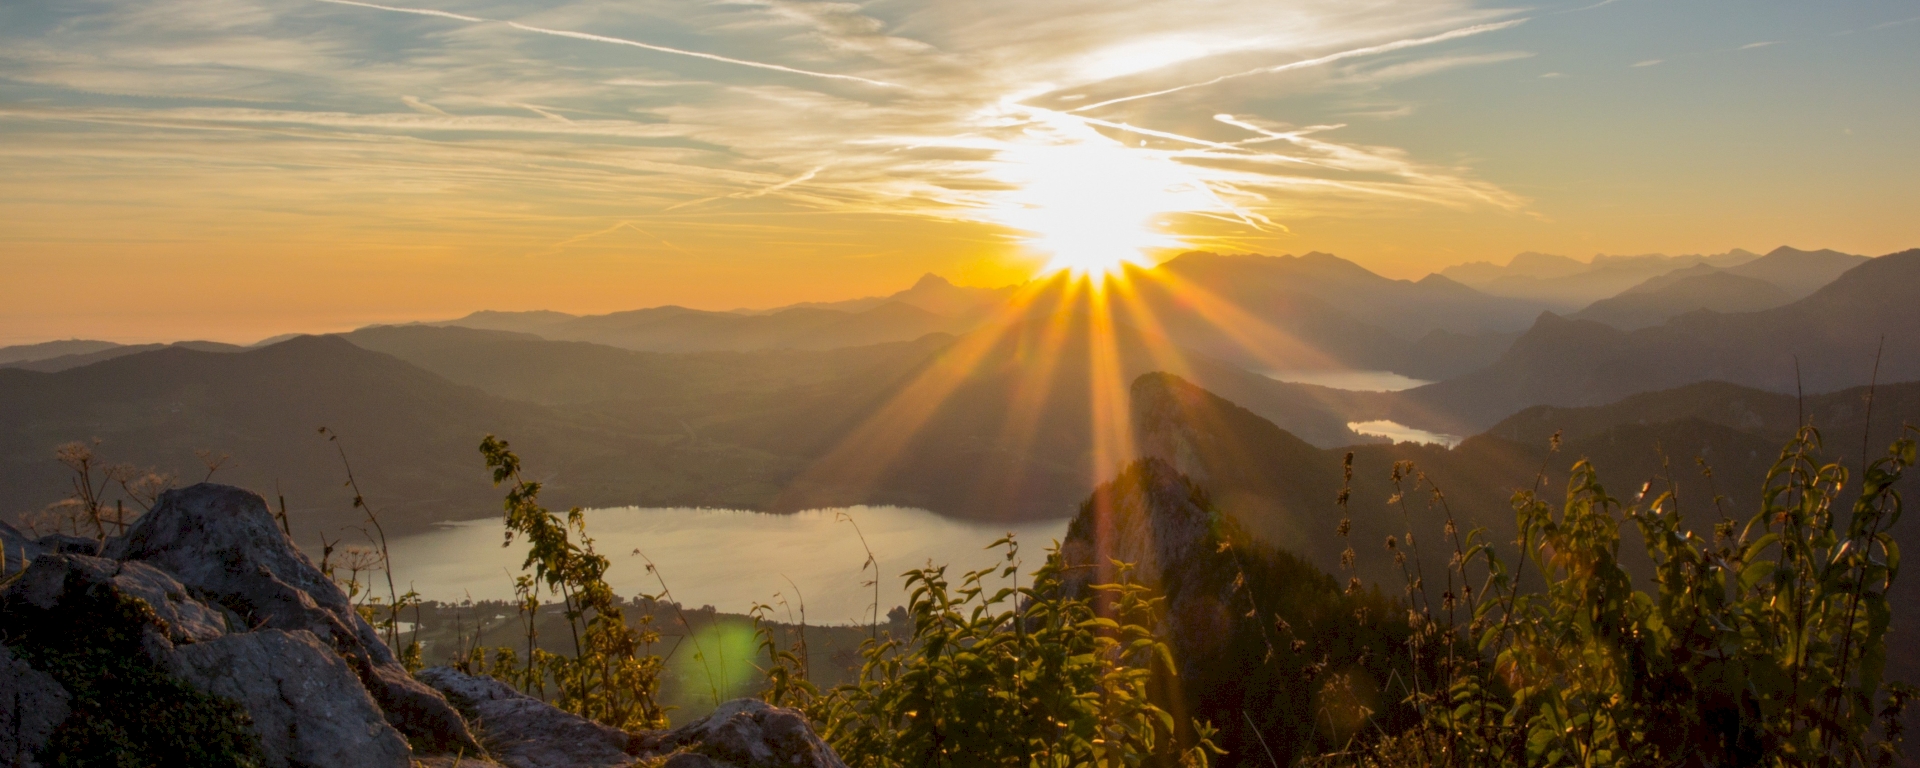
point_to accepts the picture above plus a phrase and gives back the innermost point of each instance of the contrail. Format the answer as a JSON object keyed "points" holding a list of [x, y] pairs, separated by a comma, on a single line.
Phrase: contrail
{"points": [[419, 11], [695, 54], [619, 41], [1327, 59], [761, 192]]}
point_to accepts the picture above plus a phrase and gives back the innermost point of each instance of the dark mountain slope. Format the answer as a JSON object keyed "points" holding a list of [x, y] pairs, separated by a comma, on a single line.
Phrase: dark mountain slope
{"points": [[412, 435], [1257, 635], [1285, 493]]}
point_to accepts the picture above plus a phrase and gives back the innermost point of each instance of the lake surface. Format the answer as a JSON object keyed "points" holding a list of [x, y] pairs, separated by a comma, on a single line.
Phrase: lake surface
{"points": [[1401, 433], [1359, 381], [729, 559]]}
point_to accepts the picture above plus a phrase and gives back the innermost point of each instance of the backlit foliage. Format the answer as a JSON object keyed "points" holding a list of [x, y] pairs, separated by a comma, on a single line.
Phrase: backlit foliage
{"points": [[1759, 643], [612, 676], [1014, 675]]}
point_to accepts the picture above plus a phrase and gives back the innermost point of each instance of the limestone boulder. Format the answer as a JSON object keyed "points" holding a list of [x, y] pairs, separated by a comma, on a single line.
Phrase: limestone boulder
{"points": [[183, 619], [309, 709], [747, 733], [524, 732], [68, 544], [32, 705], [223, 544]]}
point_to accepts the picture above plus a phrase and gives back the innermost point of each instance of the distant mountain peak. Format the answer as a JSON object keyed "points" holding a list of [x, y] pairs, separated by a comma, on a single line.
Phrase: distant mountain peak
{"points": [[931, 280]]}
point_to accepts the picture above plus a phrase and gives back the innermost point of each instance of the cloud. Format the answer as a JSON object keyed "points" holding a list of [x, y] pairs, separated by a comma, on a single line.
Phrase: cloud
{"points": [[1648, 62], [1371, 50], [1761, 44], [503, 134], [1427, 66], [696, 54], [423, 107], [415, 11], [1552, 75]]}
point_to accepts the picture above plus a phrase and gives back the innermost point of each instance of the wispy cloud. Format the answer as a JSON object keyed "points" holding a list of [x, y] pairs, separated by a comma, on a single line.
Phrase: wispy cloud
{"points": [[1648, 62], [466, 122], [1370, 50], [699, 55], [1761, 44], [415, 11]]}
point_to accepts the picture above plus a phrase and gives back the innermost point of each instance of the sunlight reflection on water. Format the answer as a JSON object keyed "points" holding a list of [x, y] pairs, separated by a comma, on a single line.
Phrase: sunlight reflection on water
{"points": [[1401, 433], [729, 559], [1358, 381]]}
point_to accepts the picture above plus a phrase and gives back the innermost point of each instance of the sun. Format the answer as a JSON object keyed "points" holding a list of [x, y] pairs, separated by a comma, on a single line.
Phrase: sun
{"points": [[1086, 202], [1096, 264]]}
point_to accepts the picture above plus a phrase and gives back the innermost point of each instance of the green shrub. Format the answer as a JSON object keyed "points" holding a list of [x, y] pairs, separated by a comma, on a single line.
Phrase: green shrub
{"points": [[1014, 676], [1760, 644], [611, 676]]}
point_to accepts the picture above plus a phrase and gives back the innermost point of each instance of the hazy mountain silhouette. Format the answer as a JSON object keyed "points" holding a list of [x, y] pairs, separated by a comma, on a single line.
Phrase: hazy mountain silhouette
{"points": [[1302, 312], [412, 435], [76, 360], [30, 352], [931, 305], [1798, 272], [1681, 291], [1824, 342], [679, 329], [932, 293], [879, 424], [1564, 284], [1321, 312]]}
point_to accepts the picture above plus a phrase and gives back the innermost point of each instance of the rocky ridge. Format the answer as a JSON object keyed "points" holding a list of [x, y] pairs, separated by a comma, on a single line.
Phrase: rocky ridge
{"points": [[247, 654]]}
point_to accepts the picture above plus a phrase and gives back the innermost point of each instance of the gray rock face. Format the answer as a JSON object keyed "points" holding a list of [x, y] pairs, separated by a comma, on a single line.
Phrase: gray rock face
{"points": [[32, 704], [187, 620], [19, 550], [222, 542], [66, 544], [748, 733], [525, 732], [308, 707]]}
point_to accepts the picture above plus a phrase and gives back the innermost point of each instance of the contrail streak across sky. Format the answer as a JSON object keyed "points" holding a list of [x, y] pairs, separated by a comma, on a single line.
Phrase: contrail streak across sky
{"points": [[621, 41], [1314, 62]]}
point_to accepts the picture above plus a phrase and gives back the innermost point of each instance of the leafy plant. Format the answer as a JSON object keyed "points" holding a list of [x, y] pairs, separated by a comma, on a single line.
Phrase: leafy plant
{"points": [[1761, 644], [612, 676], [1014, 676]]}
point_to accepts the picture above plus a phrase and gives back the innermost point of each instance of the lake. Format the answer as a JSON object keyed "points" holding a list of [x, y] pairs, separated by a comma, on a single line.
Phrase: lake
{"points": [[1358, 381], [1401, 433], [729, 559]]}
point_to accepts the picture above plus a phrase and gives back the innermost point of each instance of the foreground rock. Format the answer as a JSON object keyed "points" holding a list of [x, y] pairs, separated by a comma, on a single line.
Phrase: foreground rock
{"points": [[308, 708], [525, 732], [32, 704], [204, 637], [747, 733], [223, 543], [16, 550]]}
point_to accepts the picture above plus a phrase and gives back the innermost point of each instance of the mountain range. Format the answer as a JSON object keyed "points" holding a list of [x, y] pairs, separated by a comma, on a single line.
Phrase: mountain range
{"points": [[1565, 284], [1001, 419]]}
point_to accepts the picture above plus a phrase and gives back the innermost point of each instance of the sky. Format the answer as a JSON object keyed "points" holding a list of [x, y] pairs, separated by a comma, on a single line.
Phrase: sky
{"points": [[235, 169]]}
